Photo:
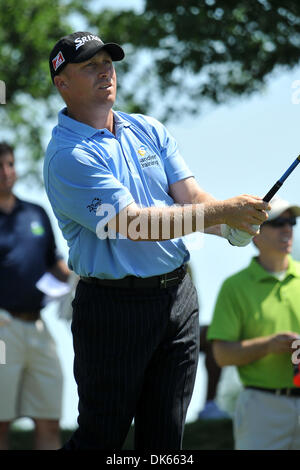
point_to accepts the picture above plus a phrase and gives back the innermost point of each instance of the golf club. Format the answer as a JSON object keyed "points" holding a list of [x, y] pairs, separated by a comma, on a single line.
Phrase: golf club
{"points": [[281, 180], [270, 194]]}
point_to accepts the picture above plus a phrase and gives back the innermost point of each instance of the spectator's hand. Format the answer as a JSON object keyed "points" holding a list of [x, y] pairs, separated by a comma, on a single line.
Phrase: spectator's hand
{"points": [[245, 213], [281, 342]]}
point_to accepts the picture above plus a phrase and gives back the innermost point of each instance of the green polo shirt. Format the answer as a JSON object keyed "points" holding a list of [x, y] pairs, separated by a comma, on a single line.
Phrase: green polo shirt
{"points": [[251, 304]]}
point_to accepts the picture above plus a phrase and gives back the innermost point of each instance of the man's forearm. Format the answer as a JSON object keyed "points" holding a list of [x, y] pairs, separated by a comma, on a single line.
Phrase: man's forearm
{"points": [[168, 222], [203, 197], [158, 224], [240, 353], [214, 230]]}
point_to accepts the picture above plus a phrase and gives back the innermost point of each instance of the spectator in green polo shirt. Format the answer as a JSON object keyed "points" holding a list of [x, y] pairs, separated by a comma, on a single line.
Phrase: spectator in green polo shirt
{"points": [[255, 323]]}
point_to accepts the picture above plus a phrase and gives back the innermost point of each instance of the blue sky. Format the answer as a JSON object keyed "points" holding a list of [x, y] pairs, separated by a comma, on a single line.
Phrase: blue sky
{"points": [[241, 147]]}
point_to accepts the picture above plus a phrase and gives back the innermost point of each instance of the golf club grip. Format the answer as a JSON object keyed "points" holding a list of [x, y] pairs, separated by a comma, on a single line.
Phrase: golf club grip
{"points": [[281, 180], [272, 191]]}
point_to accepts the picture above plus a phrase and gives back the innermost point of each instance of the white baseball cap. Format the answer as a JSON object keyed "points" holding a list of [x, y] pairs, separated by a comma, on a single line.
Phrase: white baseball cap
{"points": [[278, 206]]}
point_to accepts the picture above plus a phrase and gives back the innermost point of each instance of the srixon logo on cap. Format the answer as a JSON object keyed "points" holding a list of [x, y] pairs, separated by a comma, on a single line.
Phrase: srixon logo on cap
{"points": [[90, 37], [58, 60]]}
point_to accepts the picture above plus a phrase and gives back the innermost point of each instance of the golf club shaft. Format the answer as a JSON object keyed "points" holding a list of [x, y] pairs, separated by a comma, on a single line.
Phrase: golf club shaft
{"points": [[281, 180]]}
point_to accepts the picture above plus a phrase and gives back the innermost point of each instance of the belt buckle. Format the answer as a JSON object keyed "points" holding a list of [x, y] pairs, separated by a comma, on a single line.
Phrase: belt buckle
{"points": [[165, 280], [278, 392]]}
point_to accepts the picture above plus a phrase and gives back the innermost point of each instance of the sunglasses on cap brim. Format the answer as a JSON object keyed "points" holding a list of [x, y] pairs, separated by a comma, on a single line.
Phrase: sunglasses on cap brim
{"points": [[281, 221]]}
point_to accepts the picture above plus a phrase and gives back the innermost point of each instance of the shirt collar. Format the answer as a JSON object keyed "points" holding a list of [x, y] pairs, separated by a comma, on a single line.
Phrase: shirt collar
{"points": [[84, 129], [120, 121], [261, 274]]}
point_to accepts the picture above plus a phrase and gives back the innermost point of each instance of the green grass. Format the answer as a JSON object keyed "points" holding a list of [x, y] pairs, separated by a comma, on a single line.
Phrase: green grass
{"points": [[198, 435], [209, 435]]}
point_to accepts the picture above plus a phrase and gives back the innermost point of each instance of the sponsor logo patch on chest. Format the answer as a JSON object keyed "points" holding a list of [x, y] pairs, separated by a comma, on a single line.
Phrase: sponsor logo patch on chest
{"points": [[147, 159], [37, 228]]}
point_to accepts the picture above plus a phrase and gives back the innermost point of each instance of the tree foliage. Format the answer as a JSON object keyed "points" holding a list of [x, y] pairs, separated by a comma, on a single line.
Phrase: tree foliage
{"points": [[178, 55], [28, 29], [213, 49]]}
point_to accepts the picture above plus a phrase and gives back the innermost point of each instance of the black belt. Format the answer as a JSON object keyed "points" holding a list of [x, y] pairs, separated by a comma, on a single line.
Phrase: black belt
{"points": [[288, 392], [155, 282]]}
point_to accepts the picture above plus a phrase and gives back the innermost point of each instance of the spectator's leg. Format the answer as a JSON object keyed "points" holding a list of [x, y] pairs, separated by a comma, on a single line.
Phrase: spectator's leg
{"points": [[47, 434], [213, 370], [4, 430], [211, 409]]}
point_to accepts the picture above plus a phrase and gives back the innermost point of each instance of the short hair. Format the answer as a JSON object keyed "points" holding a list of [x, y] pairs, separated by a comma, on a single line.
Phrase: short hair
{"points": [[5, 148]]}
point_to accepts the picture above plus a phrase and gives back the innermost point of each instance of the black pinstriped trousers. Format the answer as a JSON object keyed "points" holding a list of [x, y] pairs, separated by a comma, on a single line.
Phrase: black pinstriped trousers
{"points": [[136, 355]]}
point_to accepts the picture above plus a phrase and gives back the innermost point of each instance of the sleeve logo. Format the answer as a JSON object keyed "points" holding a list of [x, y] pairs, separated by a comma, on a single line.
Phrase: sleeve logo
{"points": [[96, 202]]}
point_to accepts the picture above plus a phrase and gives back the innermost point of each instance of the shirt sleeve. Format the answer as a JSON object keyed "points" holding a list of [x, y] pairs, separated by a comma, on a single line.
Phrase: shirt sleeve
{"points": [[226, 321], [83, 188]]}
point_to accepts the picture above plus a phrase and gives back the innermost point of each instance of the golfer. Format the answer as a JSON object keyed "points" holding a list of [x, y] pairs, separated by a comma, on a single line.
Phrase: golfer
{"points": [[112, 180]]}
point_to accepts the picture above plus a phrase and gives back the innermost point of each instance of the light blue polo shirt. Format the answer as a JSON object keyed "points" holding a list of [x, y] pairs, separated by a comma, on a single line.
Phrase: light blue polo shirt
{"points": [[87, 170]]}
